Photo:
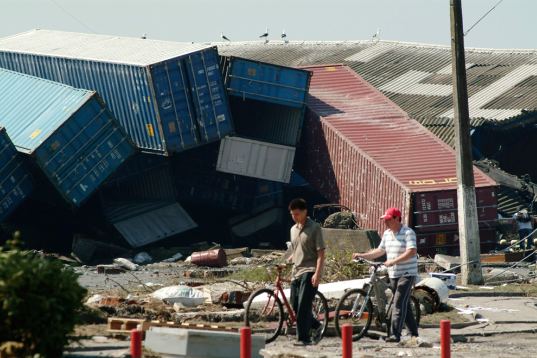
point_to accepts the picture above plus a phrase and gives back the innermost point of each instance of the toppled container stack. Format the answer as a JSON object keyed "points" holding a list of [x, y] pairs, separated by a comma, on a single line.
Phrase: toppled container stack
{"points": [[168, 96], [268, 104], [68, 133]]}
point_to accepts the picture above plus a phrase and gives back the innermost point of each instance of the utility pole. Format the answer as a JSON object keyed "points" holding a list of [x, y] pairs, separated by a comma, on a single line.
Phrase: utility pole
{"points": [[469, 242]]}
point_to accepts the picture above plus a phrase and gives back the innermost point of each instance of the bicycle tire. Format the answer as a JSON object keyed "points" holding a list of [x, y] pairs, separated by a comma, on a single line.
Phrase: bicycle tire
{"points": [[321, 315], [342, 311], [251, 310], [416, 310]]}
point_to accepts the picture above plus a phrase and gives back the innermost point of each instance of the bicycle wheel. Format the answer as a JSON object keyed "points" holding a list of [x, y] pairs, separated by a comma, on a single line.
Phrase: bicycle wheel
{"points": [[353, 309], [264, 314], [320, 313], [415, 308]]}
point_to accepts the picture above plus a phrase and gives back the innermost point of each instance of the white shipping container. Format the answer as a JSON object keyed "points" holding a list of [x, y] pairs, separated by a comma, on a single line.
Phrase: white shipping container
{"points": [[255, 159]]}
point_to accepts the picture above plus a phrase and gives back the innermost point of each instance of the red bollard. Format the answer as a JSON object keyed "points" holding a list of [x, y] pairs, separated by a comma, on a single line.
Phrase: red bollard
{"points": [[246, 342], [136, 343], [445, 339], [346, 336]]}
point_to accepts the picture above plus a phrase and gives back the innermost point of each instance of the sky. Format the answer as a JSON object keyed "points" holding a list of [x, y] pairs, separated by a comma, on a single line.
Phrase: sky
{"points": [[510, 25]]}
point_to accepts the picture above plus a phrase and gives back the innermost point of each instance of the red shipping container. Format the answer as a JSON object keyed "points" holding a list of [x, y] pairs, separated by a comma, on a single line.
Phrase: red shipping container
{"points": [[361, 150]]}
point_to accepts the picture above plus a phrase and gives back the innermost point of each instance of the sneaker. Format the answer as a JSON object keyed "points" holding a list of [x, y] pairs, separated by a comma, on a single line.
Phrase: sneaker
{"points": [[302, 344], [393, 339]]}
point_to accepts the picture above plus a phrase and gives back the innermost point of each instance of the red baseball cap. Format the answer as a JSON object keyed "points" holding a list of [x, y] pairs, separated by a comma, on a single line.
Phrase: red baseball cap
{"points": [[391, 213]]}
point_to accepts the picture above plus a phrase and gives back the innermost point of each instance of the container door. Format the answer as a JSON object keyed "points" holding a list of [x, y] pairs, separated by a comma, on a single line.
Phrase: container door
{"points": [[174, 106], [209, 96]]}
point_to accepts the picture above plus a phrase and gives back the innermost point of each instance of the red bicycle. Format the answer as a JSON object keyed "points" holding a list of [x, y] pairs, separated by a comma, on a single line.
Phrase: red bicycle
{"points": [[265, 315]]}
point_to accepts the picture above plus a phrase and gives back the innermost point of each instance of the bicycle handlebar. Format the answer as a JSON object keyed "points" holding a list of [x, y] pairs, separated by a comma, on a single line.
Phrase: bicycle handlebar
{"points": [[372, 263]]}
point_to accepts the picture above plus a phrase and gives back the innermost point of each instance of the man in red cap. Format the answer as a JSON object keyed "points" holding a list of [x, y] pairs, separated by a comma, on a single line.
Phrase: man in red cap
{"points": [[399, 245]]}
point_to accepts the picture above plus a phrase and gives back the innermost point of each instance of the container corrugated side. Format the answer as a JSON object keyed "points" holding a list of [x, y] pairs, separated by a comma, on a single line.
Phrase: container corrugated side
{"points": [[84, 151], [447, 242], [208, 95], [126, 89], [143, 222], [255, 159], [343, 174], [267, 82], [156, 183], [266, 121], [15, 182]]}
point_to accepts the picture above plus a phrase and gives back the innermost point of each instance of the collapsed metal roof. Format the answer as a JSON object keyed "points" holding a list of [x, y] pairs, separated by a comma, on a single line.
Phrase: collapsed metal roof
{"points": [[417, 77]]}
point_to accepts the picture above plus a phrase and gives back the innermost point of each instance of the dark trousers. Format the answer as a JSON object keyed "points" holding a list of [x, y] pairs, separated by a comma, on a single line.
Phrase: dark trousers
{"points": [[401, 310], [522, 233], [302, 294]]}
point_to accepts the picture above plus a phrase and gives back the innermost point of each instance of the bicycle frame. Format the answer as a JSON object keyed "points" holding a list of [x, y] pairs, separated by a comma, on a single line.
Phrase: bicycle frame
{"points": [[375, 284], [278, 290]]}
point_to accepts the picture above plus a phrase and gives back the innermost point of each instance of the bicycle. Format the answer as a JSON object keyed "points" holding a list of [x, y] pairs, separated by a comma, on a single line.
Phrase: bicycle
{"points": [[356, 307], [264, 311]]}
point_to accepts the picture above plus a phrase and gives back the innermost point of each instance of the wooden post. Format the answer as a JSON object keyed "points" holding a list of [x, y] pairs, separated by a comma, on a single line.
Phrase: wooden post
{"points": [[469, 242]]}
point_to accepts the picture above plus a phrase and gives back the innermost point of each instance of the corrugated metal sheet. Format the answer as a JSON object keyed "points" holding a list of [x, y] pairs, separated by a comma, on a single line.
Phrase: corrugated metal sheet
{"points": [[362, 151], [144, 222], [255, 159], [267, 122], [144, 82], [16, 183], [267, 82], [69, 132]]}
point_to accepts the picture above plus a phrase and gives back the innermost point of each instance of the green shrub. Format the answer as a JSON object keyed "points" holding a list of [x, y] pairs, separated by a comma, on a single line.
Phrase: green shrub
{"points": [[39, 301]]}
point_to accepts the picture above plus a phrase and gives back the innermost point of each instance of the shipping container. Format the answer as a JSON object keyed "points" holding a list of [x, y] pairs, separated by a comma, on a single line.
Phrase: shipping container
{"points": [[267, 82], [267, 101], [16, 182], [255, 159], [143, 222], [152, 182], [362, 151], [69, 133], [145, 83], [267, 122]]}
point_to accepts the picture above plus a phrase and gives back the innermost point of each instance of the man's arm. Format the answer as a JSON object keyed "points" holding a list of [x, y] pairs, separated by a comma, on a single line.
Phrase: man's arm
{"points": [[371, 255], [316, 278], [409, 253]]}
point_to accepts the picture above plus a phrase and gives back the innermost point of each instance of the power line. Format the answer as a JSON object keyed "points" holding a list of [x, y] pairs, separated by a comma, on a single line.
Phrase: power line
{"points": [[80, 22], [482, 17]]}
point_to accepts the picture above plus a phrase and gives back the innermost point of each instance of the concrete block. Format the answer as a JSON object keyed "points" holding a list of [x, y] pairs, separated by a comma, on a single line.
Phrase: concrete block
{"points": [[447, 262], [345, 240], [176, 342]]}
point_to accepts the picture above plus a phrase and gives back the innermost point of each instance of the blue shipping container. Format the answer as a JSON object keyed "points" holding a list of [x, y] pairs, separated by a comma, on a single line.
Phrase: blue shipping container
{"points": [[209, 95], [267, 82], [145, 83], [71, 135], [15, 180]]}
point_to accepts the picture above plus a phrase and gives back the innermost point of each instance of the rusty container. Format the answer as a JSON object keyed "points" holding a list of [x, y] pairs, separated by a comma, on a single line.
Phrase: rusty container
{"points": [[211, 258]]}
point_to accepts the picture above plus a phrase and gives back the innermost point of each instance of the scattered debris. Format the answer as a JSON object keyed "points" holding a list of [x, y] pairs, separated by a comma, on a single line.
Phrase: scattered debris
{"points": [[182, 295], [87, 250], [125, 263], [210, 258], [178, 256], [447, 262], [448, 278], [142, 258], [431, 293], [229, 294], [110, 269]]}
